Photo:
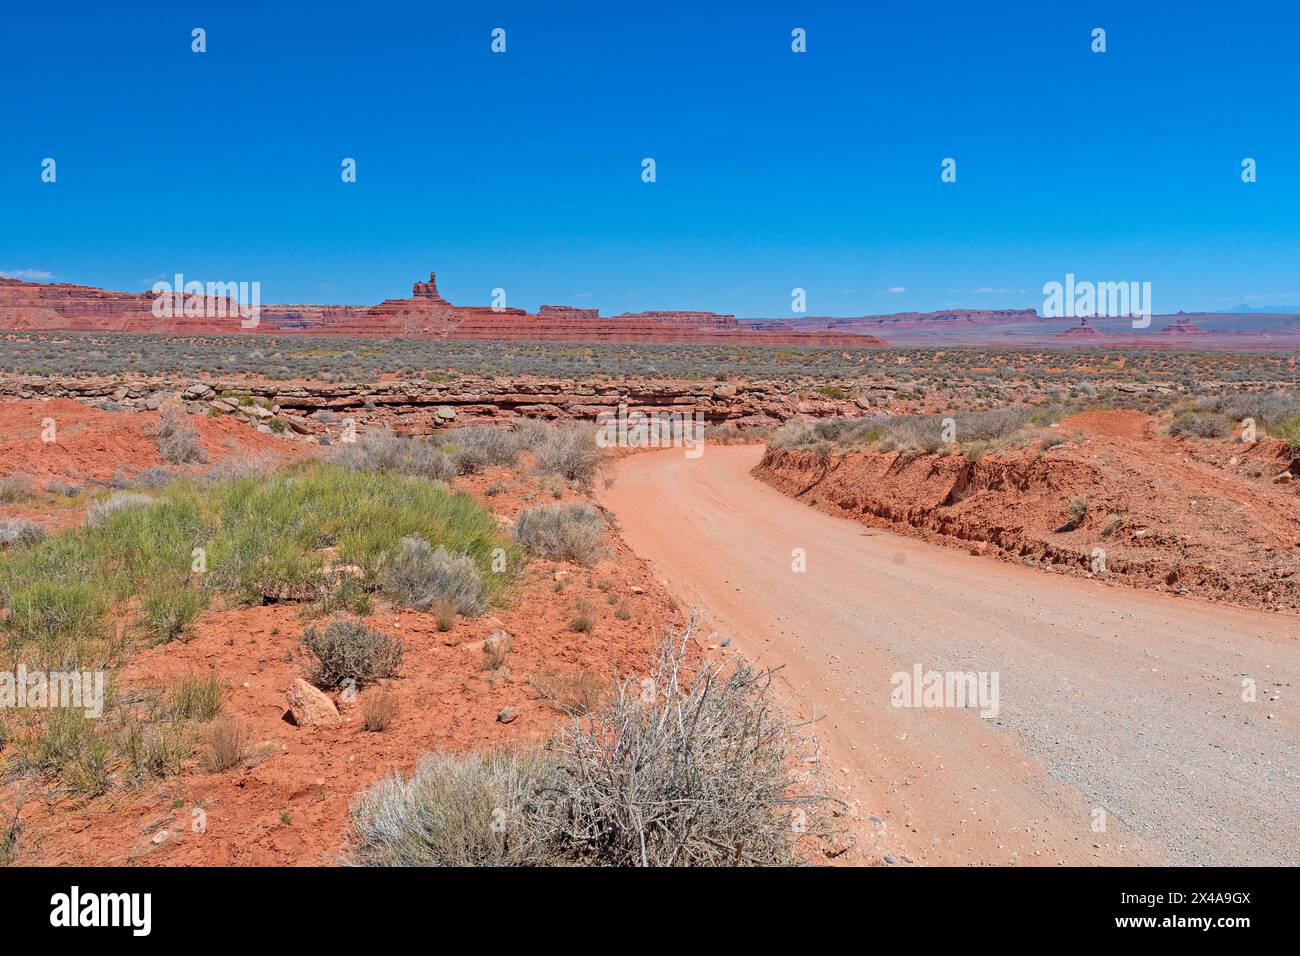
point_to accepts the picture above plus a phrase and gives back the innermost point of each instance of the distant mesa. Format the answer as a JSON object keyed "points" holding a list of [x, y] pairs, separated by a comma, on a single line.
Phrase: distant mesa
{"points": [[945, 319], [1082, 331], [61, 307], [1182, 327]]}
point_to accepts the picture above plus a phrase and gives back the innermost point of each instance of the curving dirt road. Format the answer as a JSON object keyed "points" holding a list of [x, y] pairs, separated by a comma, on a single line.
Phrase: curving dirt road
{"points": [[1121, 734]]}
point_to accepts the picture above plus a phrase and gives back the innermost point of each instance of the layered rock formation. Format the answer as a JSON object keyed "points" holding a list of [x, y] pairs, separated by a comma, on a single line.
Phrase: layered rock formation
{"points": [[30, 306], [321, 410]]}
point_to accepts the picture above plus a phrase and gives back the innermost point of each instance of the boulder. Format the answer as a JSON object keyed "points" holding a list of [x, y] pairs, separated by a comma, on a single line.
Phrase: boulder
{"points": [[498, 642], [311, 707]]}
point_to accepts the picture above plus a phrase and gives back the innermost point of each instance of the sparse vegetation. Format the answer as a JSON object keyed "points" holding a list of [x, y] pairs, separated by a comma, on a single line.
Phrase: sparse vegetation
{"points": [[178, 441], [568, 532], [382, 451], [345, 649], [226, 746], [378, 710], [699, 772], [575, 693], [16, 532], [420, 576], [568, 451]]}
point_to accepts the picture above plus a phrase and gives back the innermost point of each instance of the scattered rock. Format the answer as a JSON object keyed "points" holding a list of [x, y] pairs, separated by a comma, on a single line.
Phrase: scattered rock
{"points": [[506, 715], [311, 707], [498, 642]]}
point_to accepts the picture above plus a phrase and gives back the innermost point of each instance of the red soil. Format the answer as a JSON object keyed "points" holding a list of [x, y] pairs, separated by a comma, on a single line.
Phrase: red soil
{"points": [[289, 804], [1171, 514], [91, 444]]}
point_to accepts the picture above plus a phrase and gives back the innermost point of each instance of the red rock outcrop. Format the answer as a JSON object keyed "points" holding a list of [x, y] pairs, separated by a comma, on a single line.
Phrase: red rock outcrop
{"points": [[1082, 331], [29, 306]]}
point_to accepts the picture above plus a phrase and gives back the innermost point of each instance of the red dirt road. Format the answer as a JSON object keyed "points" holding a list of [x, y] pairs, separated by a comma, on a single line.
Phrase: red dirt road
{"points": [[1121, 735]]}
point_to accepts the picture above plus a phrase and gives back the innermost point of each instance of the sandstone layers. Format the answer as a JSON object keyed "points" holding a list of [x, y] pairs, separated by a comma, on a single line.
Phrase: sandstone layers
{"points": [[322, 410], [31, 306]]}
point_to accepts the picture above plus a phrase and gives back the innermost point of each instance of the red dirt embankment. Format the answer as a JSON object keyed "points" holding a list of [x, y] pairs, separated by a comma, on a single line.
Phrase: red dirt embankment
{"points": [[1157, 512]]}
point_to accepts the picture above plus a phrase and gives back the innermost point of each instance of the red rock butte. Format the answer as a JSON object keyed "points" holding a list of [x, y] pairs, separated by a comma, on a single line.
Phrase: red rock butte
{"points": [[60, 307]]}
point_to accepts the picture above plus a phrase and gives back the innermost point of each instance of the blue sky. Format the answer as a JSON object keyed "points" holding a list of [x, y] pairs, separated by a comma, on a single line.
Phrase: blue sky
{"points": [[775, 170]]}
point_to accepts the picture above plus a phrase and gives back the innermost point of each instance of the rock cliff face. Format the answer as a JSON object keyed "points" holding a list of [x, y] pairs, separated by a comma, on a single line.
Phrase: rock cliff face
{"points": [[30, 306], [321, 410]]}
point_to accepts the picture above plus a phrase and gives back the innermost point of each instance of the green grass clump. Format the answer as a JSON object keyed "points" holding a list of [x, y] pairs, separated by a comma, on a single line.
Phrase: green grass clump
{"points": [[260, 537], [1288, 430]]}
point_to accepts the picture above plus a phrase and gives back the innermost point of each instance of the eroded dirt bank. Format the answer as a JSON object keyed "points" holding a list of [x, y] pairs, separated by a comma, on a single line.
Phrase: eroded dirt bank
{"points": [[1122, 735], [1120, 503]]}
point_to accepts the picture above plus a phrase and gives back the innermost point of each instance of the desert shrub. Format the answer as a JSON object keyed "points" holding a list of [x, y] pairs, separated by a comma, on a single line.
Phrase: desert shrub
{"points": [[996, 423], [240, 467], [833, 391], [913, 433], [9, 837], [1288, 429], [68, 742], [20, 531], [1266, 408], [195, 697], [15, 488], [170, 610], [383, 451], [444, 615], [569, 451], [1199, 425], [226, 745], [575, 693], [378, 710], [178, 441], [568, 532], [582, 622], [1077, 509], [157, 751], [345, 649], [481, 446], [155, 476], [420, 575], [100, 512], [700, 772], [476, 810], [262, 536], [796, 433]]}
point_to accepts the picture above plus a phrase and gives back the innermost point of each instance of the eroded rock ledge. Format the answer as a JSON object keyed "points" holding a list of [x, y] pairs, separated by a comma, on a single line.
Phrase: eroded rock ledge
{"points": [[418, 407]]}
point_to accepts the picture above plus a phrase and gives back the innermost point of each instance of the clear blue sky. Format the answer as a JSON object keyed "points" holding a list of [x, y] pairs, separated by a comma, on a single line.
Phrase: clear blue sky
{"points": [[775, 169]]}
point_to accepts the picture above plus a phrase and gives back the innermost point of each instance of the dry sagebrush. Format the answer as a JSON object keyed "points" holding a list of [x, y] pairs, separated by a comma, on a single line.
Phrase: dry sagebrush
{"points": [[681, 770]]}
